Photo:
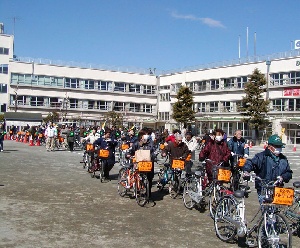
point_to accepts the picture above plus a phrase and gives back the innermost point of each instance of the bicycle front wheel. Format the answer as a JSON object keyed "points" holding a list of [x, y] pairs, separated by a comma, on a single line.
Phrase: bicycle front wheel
{"points": [[189, 187], [225, 214], [174, 187], [142, 190], [101, 171], [274, 231], [217, 192]]}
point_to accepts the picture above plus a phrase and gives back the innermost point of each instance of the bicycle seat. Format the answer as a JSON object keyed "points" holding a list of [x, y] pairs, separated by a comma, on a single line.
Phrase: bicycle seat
{"points": [[296, 184], [239, 193]]}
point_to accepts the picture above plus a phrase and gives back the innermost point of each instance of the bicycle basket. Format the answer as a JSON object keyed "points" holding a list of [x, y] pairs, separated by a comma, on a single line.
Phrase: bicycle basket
{"points": [[283, 196], [103, 153], [144, 166], [124, 147], [241, 162], [161, 146], [223, 174], [177, 164], [89, 147]]}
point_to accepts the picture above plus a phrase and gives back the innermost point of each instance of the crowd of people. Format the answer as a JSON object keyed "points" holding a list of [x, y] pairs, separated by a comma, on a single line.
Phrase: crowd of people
{"points": [[215, 146]]}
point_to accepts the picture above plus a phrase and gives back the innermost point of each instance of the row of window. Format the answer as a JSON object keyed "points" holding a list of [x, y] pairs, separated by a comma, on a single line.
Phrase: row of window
{"points": [[4, 51], [164, 116], [70, 103], [164, 97], [226, 106], [285, 78], [75, 83], [3, 68]]}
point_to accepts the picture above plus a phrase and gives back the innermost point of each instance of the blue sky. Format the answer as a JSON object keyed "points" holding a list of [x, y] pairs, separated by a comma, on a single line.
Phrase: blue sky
{"points": [[162, 34]]}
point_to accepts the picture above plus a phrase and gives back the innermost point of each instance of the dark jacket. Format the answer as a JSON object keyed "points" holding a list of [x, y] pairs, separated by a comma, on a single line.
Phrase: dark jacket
{"points": [[216, 151], [266, 166], [146, 146], [109, 145], [70, 136], [176, 151], [238, 146]]}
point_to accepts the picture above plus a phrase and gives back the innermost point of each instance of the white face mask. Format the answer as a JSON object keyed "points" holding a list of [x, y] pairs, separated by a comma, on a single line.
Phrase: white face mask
{"points": [[219, 138], [145, 137], [277, 151]]}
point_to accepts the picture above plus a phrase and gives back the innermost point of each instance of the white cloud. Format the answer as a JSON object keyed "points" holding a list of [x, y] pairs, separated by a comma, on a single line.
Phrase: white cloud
{"points": [[205, 20]]}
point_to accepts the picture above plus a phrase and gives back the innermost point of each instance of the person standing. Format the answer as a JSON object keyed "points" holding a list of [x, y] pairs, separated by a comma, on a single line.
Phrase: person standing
{"points": [[2, 133], [50, 134], [238, 146], [269, 165], [191, 143], [71, 138]]}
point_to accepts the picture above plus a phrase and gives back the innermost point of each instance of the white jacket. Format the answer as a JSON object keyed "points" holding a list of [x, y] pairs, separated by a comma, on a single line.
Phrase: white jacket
{"points": [[192, 144], [51, 132], [92, 137]]}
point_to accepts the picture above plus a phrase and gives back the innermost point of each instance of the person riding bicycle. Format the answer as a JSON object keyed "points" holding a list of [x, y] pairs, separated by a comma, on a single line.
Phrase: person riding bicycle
{"points": [[91, 138], [177, 150], [144, 142], [269, 164], [217, 151], [109, 144]]}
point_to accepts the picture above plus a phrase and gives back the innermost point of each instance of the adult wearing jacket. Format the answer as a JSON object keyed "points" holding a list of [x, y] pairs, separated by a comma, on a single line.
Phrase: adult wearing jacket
{"points": [[191, 143], [71, 138], [270, 164], [109, 144], [2, 133], [237, 145], [144, 142], [216, 150]]}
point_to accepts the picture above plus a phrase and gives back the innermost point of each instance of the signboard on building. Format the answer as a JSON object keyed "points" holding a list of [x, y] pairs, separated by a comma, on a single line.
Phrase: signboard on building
{"points": [[291, 92]]}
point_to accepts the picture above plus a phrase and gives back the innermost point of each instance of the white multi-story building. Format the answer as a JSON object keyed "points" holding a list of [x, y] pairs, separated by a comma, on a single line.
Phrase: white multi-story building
{"points": [[87, 93]]}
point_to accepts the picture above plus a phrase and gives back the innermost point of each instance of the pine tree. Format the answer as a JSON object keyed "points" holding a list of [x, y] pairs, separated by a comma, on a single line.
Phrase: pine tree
{"points": [[114, 119], [254, 107], [183, 109]]}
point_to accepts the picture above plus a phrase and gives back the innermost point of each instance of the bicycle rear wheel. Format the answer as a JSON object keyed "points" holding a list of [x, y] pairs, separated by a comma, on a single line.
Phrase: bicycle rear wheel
{"points": [[142, 190], [122, 181], [174, 186], [190, 186], [225, 212], [274, 231], [101, 171]]}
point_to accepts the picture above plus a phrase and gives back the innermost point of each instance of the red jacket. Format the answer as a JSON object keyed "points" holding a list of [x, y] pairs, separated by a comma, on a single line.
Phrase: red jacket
{"points": [[170, 138], [216, 151]]}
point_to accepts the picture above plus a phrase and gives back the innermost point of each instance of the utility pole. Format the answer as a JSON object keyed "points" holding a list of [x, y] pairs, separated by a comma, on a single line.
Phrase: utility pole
{"points": [[268, 63]]}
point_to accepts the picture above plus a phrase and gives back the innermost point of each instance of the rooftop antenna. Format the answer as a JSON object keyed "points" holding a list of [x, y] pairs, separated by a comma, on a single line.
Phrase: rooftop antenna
{"points": [[255, 45], [239, 48], [247, 44], [15, 18]]}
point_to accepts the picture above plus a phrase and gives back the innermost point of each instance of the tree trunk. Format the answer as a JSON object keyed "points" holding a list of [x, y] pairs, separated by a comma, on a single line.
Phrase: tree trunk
{"points": [[257, 141]]}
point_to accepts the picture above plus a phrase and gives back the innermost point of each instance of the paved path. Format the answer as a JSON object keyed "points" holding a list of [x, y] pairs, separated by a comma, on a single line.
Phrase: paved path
{"points": [[48, 200]]}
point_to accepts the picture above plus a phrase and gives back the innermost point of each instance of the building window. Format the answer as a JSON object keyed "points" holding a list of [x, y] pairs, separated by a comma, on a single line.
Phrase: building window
{"points": [[120, 87], [36, 101], [164, 116], [4, 51], [228, 83], [175, 87], [102, 105], [74, 103], [119, 106], [3, 88], [134, 107], [105, 85], [214, 107], [149, 89], [21, 100], [201, 107], [278, 105], [164, 87], [72, 83], [227, 107], [241, 81], [295, 77], [214, 84], [54, 103], [164, 97], [136, 88], [89, 84], [199, 86], [147, 108], [4, 68]]}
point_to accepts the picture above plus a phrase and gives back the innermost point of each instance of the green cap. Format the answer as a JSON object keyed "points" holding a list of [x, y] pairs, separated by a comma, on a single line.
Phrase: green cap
{"points": [[275, 140]]}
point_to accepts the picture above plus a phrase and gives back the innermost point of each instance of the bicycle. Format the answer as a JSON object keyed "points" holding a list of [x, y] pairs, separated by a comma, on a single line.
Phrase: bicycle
{"points": [[176, 182], [237, 182], [133, 176], [164, 176], [293, 212], [198, 188], [272, 228], [87, 156]]}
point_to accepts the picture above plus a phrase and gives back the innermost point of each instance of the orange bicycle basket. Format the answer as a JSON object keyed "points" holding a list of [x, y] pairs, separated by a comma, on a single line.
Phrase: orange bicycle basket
{"points": [[178, 164], [241, 162], [161, 146], [124, 147], [224, 175], [89, 147], [144, 166], [103, 153], [283, 196]]}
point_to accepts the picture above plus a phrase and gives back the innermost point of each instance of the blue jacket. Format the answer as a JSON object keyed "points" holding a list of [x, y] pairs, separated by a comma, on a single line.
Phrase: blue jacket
{"points": [[109, 145], [238, 146], [265, 166]]}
